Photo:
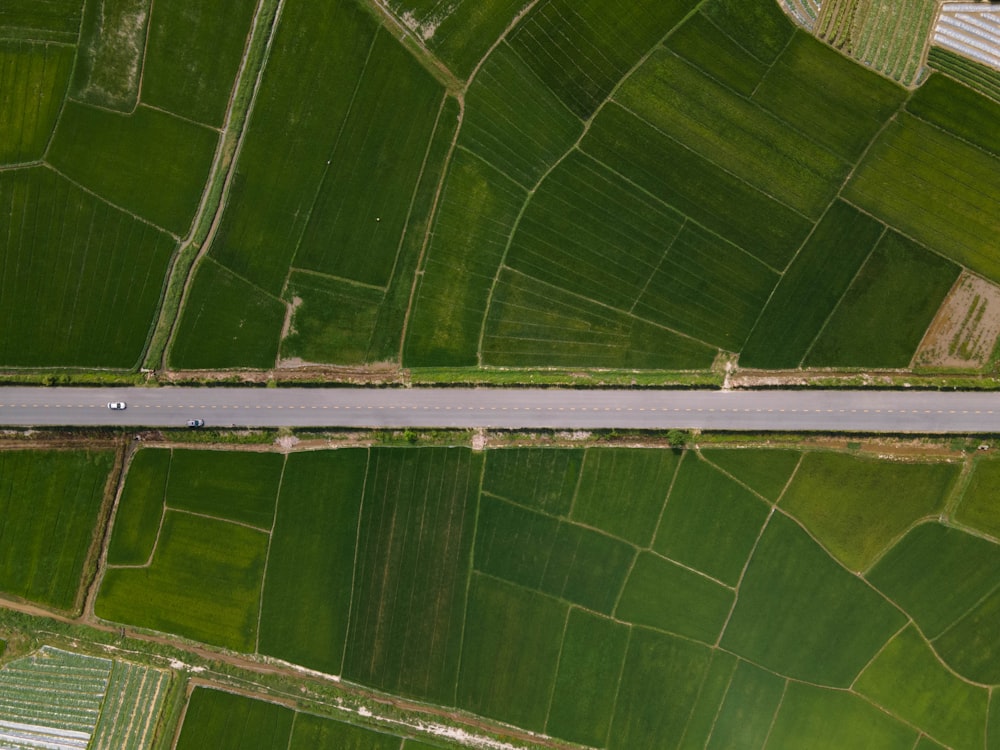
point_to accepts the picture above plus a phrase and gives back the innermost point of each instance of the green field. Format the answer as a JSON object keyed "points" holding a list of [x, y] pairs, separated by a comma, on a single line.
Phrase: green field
{"points": [[56, 20], [944, 191], [203, 583], [811, 288], [140, 509], [49, 505], [802, 615], [33, 80], [414, 543], [864, 331], [303, 618], [858, 507], [110, 54], [748, 710], [81, 281], [764, 471], [944, 102], [192, 56], [227, 322], [510, 652], [975, 75], [542, 479], [706, 505], [150, 163], [937, 574], [978, 508]]}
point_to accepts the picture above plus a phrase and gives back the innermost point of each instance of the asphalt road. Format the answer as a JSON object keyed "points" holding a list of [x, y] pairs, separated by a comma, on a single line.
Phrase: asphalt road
{"points": [[846, 411]]}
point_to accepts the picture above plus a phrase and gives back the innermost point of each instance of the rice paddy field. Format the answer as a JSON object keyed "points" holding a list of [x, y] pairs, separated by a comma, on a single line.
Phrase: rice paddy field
{"points": [[612, 597], [640, 185]]}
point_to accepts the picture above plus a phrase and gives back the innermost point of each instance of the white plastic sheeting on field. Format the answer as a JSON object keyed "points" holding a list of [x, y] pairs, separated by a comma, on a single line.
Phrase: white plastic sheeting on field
{"points": [[972, 30]]}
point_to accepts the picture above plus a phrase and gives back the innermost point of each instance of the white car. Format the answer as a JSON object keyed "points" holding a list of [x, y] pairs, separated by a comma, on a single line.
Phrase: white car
{"points": [[116, 405]]}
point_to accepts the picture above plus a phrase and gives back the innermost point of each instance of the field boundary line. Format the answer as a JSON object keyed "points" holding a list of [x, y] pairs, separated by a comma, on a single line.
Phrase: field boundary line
{"points": [[576, 486], [659, 264], [950, 134], [688, 568], [618, 683], [767, 73], [434, 64], [339, 279], [210, 517], [468, 582], [145, 51], [899, 537], [101, 536], [260, 20], [725, 694], [555, 672], [329, 157], [774, 718], [23, 166], [736, 41], [432, 219], [877, 654], [726, 474], [739, 581], [267, 555], [69, 86], [701, 690], [965, 614], [837, 304], [291, 729], [354, 567], [663, 505], [182, 118], [244, 279], [115, 206], [956, 285], [479, 157]]}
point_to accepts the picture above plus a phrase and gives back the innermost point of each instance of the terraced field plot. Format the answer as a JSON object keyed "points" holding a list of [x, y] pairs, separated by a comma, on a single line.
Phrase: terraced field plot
{"points": [[533, 586]]}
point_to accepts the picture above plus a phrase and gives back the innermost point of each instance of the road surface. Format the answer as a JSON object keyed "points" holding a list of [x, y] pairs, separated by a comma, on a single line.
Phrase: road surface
{"points": [[789, 411]]}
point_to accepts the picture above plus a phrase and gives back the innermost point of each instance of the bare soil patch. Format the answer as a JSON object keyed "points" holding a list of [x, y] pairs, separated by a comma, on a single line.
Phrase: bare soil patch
{"points": [[965, 329]]}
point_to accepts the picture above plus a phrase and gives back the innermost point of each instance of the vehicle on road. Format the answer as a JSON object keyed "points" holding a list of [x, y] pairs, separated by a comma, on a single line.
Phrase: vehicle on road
{"points": [[116, 405], [196, 423]]}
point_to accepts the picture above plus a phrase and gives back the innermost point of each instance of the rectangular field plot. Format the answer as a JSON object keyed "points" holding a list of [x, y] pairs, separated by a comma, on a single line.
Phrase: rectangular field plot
{"points": [[537, 478], [151, 163], [318, 733], [764, 471], [972, 646], [192, 55], [696, 187], [583, 48], [203, 583], [958, 109], [708, 289], [909, 681], [290, 134], [659, 688], [713, 689], [140, 508], [310, 566], [811, 288], [662, 595], [857, 507], [363, 203], [226, 322], [49, 505], [533, 323], [227, 721], [110, 53], [937, 574], [475, 217], [827, 97], [332, 320], [55, 20], [731, 132], [414, 544], [802, 615], [710, 522], [832, 720], [510, 652], [978, 508], [514, 121], [936, 189], [82, 280], [33, 80], [591, 233], [882, 317], [622, 491], [590, 665], [555, 557], [131, 707], [711, 50]]}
